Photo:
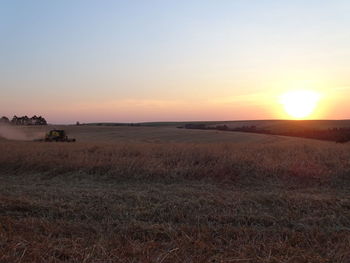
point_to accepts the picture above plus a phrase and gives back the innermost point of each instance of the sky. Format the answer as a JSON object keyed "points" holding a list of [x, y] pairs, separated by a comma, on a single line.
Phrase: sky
{"points": [[162, 60]]}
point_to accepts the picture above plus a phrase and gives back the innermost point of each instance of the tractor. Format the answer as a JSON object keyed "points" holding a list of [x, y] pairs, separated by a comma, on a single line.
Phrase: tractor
{"points": [[57, 136]]}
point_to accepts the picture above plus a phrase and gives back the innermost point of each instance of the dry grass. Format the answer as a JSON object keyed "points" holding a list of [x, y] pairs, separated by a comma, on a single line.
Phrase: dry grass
{"points": [[279, 200]]}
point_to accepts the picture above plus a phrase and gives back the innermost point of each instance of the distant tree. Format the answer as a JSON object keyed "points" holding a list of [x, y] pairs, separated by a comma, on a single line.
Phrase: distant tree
{"points": [[14, 120], [78, 123], [42, 121], [4, 119], [33, 120], [222, 127], [25, 120], [196, 126]]}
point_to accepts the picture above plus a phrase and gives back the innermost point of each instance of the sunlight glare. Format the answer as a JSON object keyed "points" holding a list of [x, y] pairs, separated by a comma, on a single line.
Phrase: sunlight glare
{"points": [[300, 104]]}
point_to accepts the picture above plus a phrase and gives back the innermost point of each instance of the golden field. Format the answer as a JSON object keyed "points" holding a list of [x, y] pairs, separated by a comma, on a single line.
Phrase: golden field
{"points": [[161, 194]]}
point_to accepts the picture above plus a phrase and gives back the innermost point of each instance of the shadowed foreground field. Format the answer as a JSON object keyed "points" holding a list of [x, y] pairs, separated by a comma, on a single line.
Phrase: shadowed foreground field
{"points": [[280, 200]]}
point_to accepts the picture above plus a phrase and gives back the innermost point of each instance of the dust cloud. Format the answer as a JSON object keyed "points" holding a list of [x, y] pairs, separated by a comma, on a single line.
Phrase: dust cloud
{"points": [[16, 133]]}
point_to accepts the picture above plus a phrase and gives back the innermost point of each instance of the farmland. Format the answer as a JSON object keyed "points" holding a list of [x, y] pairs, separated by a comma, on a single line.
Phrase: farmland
{"points": [[162, 194]]}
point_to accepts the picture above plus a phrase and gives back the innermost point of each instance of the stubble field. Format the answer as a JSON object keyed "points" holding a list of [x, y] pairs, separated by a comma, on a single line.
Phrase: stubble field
{"points": [[161, 194]]}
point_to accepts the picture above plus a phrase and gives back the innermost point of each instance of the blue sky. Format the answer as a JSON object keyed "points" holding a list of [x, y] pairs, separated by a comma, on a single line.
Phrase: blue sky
{"points": [[170, 60]]}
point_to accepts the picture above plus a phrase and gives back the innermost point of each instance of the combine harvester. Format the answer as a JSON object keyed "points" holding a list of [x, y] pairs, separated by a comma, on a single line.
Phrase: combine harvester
{"points": [[56, 136]]}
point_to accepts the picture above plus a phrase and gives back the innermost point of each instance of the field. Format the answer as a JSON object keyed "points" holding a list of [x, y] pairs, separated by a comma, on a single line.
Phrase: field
{"points": [[161, 194]]}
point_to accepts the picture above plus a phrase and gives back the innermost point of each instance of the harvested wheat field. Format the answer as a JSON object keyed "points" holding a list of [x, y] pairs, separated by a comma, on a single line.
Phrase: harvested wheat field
{"points": [[161, 194]]}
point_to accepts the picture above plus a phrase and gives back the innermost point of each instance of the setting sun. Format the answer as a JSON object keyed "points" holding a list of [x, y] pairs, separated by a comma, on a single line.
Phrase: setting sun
{"points": [[300, 104]]}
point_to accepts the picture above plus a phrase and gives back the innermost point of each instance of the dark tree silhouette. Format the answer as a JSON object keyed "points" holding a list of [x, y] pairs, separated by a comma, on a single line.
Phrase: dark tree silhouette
{"points": [[4, 119], [25, 120]]}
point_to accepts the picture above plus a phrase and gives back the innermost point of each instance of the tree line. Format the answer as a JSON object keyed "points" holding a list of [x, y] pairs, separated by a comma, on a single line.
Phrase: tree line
{"points": [[24, 120]]}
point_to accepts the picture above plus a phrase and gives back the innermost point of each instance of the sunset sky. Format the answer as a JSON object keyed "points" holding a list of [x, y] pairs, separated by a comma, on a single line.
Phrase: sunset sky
{"points": [[132, 61]]}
